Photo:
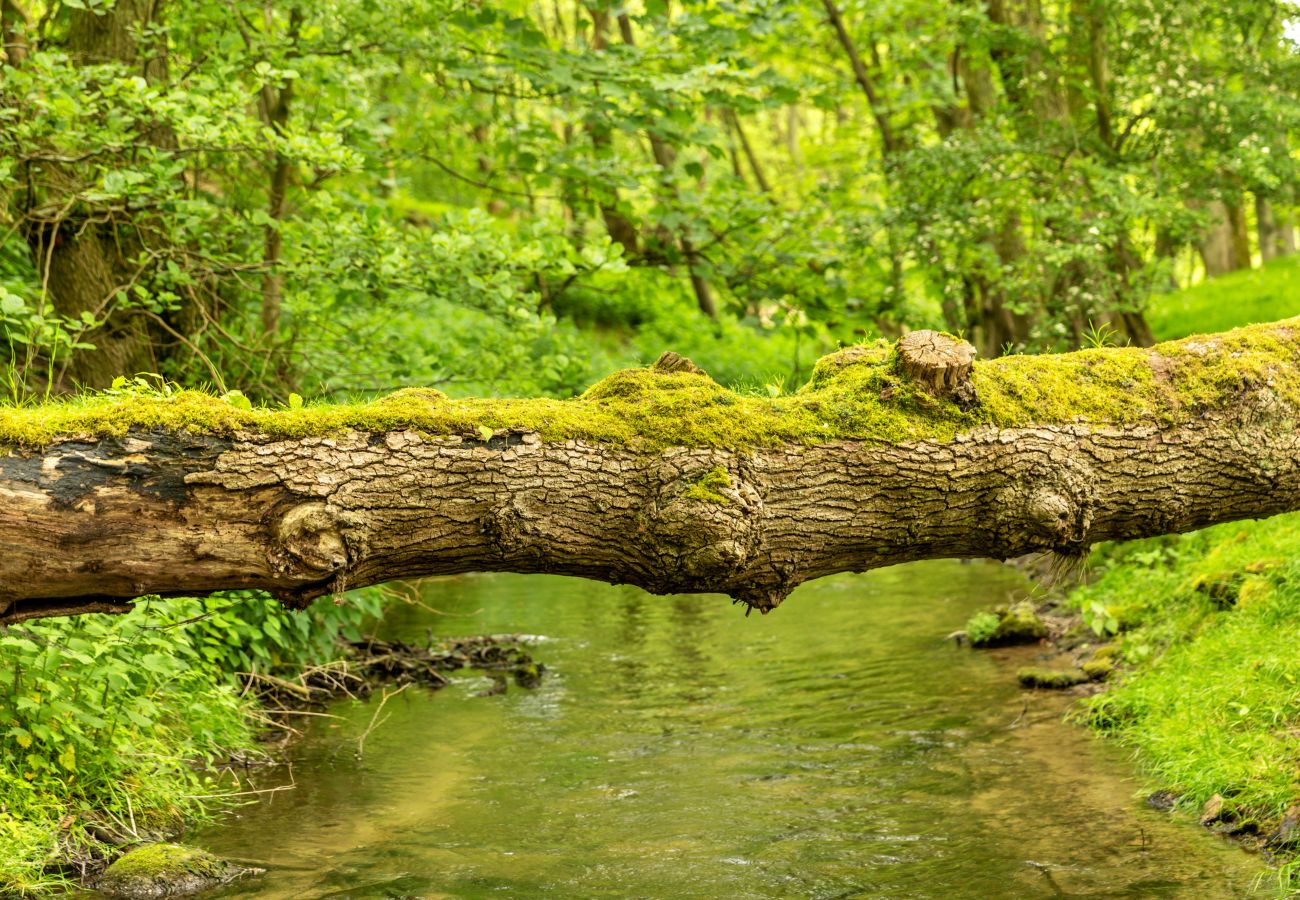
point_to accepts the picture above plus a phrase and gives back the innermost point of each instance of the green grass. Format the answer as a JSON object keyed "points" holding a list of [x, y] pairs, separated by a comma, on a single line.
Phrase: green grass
{"points": [[1208, 696], [1241, 298], [1209, 630]]}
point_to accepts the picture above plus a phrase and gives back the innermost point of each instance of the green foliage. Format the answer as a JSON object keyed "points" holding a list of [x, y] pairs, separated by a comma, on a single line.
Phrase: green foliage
{"points": [[112, 722], [981, 627]]}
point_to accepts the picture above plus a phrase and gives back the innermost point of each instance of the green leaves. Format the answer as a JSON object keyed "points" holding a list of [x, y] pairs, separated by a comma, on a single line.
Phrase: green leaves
{"points": [[237, 400]]}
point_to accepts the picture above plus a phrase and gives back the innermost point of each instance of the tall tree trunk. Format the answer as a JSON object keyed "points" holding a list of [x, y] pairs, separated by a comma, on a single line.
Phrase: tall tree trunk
{"points": [[1240, 234], [1220, 244], [620, 228], [891, 142], [656, 477], [275, 110], [83, 262], [1272, 234]]}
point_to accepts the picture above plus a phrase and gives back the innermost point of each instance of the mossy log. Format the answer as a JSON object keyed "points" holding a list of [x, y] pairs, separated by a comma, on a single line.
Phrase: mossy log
{"points": [[657, 477]]}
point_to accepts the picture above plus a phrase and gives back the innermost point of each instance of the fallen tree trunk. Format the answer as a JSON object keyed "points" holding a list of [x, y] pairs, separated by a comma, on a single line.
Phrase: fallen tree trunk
{"points": [[655, 477]]}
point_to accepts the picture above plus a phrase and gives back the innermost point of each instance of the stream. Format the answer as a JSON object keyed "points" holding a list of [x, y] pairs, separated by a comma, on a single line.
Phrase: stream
{"points": [[837, 748]]}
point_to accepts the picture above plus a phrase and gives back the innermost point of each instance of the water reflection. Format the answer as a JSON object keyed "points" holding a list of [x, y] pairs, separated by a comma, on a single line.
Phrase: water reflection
{"points": [[837, 748]]}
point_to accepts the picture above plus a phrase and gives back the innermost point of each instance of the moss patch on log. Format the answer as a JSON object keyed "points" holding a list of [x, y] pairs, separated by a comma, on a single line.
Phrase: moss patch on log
{"points": [[706, 489], [855, 394]]}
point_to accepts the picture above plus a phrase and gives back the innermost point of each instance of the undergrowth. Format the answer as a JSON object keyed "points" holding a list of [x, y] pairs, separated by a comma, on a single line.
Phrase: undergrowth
{"points": [[112, 727]]}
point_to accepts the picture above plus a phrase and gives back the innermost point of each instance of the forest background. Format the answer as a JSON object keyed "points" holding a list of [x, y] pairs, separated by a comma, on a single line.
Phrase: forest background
{"points": [[332, 200]]}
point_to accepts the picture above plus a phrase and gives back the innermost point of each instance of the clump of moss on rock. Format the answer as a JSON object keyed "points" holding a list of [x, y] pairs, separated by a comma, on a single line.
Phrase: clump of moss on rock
{"points": [[1051, 679], [1007, 625], [166, 870]]}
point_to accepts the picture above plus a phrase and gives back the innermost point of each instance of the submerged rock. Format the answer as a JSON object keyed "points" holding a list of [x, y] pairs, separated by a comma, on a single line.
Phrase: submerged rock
{"points": [[1163, 800], [166, 870], [1053, 679], [1016, 624], [1099, 667]]}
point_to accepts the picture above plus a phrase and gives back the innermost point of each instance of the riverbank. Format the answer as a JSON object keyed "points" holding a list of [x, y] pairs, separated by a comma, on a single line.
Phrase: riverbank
{"points": [[125, 731], [1207, 694]]}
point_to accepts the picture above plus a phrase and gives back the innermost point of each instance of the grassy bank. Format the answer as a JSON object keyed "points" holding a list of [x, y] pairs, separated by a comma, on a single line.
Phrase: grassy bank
{"points": [[1240, 298], [1208, 696]]}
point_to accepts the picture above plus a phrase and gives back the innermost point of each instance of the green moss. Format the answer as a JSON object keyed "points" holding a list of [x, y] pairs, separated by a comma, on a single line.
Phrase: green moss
{"points": [[1099, 668], [1111, 385], [157, 870], [1052, 679], [854, 394], [706, 488], [1016, 624]]}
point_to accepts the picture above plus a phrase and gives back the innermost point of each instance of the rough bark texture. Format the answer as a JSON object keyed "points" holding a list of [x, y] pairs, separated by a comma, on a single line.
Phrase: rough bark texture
{"points": [[89, 523]]}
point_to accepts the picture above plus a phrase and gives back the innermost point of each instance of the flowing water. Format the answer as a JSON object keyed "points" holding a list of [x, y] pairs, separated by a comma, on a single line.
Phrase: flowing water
{"points": [[839, 747]]}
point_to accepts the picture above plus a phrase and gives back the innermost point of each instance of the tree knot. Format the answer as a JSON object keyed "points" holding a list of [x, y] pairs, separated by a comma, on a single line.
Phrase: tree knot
{"points": [[309, 534], [703, 526], [1047, 509]]}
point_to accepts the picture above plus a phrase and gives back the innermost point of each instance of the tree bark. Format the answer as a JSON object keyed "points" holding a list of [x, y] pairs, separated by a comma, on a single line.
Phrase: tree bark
{"points": [[276, 106], [141, 497], [1220, 244], [1266, 229]]}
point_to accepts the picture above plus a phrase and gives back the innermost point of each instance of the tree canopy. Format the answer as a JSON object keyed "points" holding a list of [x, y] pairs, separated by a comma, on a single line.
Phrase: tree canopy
{"points": [[348, 196]]}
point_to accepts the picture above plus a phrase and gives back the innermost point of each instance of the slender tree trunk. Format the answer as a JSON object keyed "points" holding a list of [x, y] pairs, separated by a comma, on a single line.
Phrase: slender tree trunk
{"points": [[666, 156], [1088, 25], [763, 184], [620, 228]]}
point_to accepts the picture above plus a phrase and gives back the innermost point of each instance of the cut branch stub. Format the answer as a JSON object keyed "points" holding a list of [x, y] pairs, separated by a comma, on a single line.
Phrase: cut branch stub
{"points": [[669, 361], [940, 363]]}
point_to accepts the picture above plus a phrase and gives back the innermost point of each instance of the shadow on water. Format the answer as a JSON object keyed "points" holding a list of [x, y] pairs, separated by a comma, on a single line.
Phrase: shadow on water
{"points": [[837, 748]]}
